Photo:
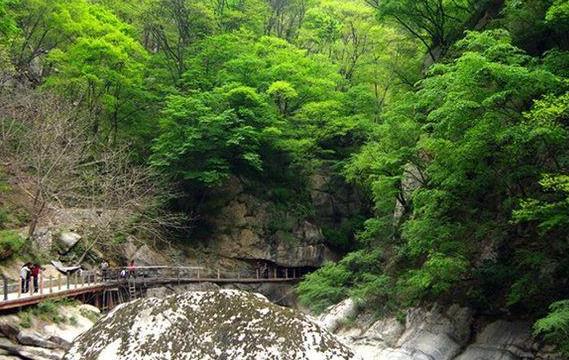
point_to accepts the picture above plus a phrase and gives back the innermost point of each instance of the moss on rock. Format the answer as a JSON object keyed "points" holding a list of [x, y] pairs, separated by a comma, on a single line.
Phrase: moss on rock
{"points": [[225, 324]]}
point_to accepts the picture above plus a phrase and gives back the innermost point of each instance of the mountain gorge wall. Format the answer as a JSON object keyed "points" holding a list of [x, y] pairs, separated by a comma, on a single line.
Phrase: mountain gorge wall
{"points": [[249, 227]]}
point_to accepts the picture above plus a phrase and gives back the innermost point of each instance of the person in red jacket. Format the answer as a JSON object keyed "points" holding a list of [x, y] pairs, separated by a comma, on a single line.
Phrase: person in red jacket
{"points": [[36, 269], [131, 269]]}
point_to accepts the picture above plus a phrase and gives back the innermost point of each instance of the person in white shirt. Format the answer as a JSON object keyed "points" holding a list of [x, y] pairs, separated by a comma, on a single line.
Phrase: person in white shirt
{"points": [[25, 273]]}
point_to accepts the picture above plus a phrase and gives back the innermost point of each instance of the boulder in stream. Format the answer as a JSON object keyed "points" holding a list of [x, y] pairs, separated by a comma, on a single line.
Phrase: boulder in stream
{"points": [[202, 325]]}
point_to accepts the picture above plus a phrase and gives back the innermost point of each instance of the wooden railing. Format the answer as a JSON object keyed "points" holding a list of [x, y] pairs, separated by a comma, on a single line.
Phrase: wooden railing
{"points": [[67, 284], [50, 284]]}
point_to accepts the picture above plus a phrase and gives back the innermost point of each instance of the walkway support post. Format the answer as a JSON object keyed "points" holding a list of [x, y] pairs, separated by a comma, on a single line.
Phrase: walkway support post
{"points": [[58, 281], [41, 282], [5, 281], [51, 284], [218, 275], [68, 280]]}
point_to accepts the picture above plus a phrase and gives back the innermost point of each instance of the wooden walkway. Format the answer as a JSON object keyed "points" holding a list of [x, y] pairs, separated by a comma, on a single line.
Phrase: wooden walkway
{"points": [[88, 282]]}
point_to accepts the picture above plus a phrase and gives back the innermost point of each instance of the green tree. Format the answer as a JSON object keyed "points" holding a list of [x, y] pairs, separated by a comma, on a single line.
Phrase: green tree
{"points": [[249, 119], [555, 326], [206, 146], [286, 17], [480, 158], [102, 68], [435, 23], [8, 29], [464, 140]]}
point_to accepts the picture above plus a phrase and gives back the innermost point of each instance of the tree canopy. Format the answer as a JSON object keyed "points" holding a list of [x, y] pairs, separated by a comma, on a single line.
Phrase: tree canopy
{"points": [[449, 116]]}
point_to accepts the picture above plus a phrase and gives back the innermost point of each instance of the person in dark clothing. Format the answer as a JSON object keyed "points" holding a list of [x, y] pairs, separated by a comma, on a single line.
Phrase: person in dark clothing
{"points": [[35, 271]]}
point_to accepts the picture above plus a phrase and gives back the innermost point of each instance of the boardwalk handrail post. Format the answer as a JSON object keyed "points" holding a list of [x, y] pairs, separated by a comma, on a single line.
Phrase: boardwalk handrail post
{"points": [[198, 272], [218, 274], [68, 280], [286, 273], [58, 281], [20, 283], [51, 284], [5, 281], [41, 282]]}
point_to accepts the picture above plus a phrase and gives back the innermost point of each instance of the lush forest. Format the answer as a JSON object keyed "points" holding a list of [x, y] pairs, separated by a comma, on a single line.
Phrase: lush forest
{"points": [[452, 116]]}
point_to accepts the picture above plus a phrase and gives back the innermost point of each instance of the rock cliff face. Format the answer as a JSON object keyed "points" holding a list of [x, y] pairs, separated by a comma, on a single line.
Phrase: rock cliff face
{"points": [[246, 226], [201, 325], [35, 338], [454, 333]]}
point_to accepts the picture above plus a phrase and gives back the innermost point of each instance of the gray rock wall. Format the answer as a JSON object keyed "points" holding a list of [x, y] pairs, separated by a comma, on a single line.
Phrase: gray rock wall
{"points": [[41, 339], [435, 334], [247, 227]]}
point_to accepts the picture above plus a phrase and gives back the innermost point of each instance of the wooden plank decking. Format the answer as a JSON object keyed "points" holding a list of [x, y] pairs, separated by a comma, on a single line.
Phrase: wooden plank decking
{"points": [[74, 285]]}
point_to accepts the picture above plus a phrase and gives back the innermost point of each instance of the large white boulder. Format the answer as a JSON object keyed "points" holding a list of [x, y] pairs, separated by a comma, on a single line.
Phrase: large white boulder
{"points": [[68, 239], [202, 325], [335, 315], [387, 330]]}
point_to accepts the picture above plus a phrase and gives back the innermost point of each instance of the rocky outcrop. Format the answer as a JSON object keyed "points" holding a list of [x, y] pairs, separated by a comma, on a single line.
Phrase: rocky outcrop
{"points": [[333, 199], [225, 324], [338, 314], [67, 240], [40, 339], [142, 254], [249, 228], [412, 180], [435, 334], [501, 340]]}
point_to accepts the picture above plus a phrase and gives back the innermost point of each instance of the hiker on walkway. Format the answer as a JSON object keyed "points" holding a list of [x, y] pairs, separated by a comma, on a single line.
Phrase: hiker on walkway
{"points": [[25, 277], [123, 274], [35, 271], [104, 269], [131, 269]]}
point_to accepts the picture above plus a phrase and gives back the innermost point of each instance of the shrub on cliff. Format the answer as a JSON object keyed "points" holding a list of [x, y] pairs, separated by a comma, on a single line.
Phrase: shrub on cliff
{"points": [[10, 242], [555, 326]]}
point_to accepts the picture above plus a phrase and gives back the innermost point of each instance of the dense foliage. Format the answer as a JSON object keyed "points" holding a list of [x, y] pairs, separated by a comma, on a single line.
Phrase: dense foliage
{"points": [[452, 116]]}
